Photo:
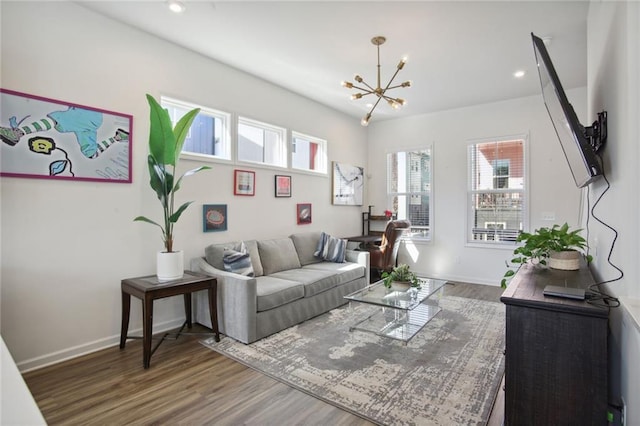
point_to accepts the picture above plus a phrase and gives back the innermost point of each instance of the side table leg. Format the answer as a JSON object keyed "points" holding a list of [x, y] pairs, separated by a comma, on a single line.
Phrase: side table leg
{"points": [[126, 307], [147, 329], [187, 308], [213, 310]]}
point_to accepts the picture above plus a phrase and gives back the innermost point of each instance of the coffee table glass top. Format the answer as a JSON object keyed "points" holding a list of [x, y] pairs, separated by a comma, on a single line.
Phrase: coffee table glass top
{"points": [[378, 294], [403, 313]]}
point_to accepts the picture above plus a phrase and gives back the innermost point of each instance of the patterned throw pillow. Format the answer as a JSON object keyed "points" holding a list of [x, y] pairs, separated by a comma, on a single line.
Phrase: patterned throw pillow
{"points": [[331, 248], [238, 261]]}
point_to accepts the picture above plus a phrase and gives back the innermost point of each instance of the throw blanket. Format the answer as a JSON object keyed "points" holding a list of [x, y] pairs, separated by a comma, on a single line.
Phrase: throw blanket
{"points": [[331, 248]]}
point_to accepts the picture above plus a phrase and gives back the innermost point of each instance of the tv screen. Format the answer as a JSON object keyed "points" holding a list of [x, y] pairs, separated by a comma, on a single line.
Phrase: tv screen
{"points": [[578, 151]]}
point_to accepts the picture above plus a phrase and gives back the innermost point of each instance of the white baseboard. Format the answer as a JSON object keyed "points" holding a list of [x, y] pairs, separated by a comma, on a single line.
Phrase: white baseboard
{"points": [[87, 348]]}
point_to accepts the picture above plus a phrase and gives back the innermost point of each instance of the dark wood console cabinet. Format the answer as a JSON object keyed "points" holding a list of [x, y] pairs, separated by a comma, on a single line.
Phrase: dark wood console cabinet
{"points": [[556, 351]]}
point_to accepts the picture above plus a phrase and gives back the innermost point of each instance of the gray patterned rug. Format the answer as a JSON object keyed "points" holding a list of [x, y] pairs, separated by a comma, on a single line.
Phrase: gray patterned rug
{"points": [[448, 374]]}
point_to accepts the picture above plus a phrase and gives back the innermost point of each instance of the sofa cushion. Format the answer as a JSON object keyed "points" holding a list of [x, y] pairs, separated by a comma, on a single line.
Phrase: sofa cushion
{"points": [[331, 248], [238, 262], [273, 292], [278, 255], [306, 243], [346, 271], [314, 280], [214, 254]]}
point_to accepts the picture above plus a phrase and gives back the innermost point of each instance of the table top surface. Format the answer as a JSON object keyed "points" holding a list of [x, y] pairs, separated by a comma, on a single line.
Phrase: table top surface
{"points": [[151, 282], [378, 294], [365, 238]]}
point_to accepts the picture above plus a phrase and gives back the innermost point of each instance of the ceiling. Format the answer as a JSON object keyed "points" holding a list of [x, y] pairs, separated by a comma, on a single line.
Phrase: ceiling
{"points": [[460, 53]]}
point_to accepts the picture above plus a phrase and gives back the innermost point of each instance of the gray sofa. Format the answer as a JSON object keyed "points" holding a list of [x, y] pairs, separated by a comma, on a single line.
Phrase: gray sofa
{"points": [[290, 285]]}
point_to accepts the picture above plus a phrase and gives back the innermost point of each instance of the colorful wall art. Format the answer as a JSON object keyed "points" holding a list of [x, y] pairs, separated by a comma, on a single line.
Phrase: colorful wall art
{"points": [[49, 139]]}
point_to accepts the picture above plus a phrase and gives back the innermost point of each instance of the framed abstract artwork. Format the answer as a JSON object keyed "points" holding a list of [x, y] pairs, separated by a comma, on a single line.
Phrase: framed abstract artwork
{"points": [[48, 139], [282, 186], [214, 217], [348, 184], [244, 182], [303, 212]]}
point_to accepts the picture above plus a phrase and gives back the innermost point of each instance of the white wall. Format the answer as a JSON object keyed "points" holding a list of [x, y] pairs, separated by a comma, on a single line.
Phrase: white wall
{"points": [[67, 245], [614, 86], [552, 188]]}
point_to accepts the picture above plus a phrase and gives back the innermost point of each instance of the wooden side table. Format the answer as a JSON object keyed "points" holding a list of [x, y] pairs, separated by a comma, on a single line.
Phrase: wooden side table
{"points": [[149, 288]]}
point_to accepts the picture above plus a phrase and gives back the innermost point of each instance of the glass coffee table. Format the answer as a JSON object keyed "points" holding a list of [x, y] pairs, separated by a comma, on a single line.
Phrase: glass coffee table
{"points": [[402, 313]]}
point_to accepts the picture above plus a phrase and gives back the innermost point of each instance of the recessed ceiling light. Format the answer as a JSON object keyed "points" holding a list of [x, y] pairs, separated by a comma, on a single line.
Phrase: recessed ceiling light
{"points": [[176, 6], [519, 74]]}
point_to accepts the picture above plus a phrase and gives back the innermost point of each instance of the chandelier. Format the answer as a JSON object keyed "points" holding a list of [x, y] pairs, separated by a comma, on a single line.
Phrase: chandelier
{"points": [[378, 91]]}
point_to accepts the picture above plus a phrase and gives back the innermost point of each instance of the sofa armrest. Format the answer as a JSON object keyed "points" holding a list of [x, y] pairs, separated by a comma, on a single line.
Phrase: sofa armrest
{"points": [[237, 301], [360, 257]]}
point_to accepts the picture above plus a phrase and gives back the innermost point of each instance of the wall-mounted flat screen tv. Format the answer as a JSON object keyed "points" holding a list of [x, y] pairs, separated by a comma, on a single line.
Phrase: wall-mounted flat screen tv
{"points": [[575, 139]]}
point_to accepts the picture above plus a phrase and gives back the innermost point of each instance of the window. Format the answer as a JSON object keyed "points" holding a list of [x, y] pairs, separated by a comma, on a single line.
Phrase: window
{"points": [[308, 153], [409, 189], [261, 143], [497, 183], [209, 132]]}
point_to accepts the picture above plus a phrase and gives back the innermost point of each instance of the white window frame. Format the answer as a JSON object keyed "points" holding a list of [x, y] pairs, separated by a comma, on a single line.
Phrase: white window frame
{"points": [[322, 157], [225, 132], [280, 131], [418, 233], [487, 242]]}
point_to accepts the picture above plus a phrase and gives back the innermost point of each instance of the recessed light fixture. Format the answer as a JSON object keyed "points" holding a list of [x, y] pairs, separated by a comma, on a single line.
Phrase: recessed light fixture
{"points": [[176, 6], [519, 74]]}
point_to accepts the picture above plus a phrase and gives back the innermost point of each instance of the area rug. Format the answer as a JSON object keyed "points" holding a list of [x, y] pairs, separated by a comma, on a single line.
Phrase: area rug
{"points": [[449, 373]]}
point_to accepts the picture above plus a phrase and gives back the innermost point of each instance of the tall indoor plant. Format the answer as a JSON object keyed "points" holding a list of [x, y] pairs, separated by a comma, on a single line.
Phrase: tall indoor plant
{"points": [[165, 145], [558, 245]]}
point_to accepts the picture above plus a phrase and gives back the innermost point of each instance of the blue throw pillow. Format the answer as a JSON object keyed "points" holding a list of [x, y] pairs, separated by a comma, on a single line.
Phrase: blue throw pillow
{"points": [[238, 262], [331, 248]]}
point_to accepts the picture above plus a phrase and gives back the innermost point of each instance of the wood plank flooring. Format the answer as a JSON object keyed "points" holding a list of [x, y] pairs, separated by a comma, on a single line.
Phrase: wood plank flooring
{"points": [[187, 384]]}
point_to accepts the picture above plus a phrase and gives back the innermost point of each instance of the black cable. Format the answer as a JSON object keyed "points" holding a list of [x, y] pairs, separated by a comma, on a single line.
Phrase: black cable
{"points": [[598, 294]]}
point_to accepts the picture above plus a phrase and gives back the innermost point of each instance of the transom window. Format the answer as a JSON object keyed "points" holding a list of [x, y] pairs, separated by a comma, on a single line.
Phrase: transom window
{"points": [[261, 143], [308, 153], [409, 189], [497, 191], [209, 134]]}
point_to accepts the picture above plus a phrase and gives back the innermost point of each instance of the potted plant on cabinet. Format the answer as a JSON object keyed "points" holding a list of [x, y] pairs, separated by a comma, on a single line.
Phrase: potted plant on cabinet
{"points": [[400, 278], [165, 145], [556, 247]]}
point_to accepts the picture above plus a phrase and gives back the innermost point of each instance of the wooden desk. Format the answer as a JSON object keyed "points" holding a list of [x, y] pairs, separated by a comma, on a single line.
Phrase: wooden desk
{"points": [[149, 288], [365, 239]]}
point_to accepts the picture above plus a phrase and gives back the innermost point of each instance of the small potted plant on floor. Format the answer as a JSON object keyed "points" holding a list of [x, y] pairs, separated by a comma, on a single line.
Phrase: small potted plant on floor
{"points": [[165, 145], [556, 247], [400, 278]]}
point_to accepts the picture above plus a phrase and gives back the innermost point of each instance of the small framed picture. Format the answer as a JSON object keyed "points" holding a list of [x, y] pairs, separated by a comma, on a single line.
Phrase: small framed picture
{"points": [[282, 186], [244, 182], [303, 211], [214, 217]]}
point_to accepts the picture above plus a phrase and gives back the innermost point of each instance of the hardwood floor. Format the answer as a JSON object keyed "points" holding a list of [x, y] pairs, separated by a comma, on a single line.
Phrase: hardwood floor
{"points": [[186, 384]]}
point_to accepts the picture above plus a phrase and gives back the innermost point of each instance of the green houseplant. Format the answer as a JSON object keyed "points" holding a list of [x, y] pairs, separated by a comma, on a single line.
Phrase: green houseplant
{"points": [[165, 145], [548, 244], [400, 274]]}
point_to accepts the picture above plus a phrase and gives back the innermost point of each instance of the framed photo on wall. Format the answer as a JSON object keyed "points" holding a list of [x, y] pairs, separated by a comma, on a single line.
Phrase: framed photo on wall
{"points": [[282, 186], [214, 217], [49, 139], [303, 211], [348, 184], [244, 182]]}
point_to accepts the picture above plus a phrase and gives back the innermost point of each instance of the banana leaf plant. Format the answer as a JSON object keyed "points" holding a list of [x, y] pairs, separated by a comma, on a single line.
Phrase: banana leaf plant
{"points": [[165, 145]]}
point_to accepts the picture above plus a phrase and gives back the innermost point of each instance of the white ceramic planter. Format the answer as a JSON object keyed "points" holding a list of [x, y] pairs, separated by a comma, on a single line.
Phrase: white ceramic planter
{"points": [[400, 285], [169, 265]]}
